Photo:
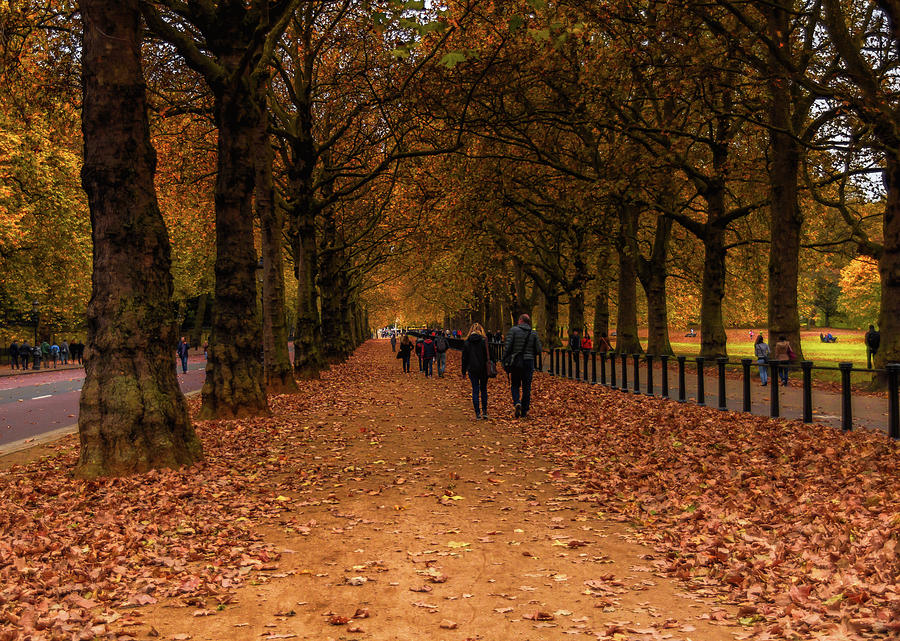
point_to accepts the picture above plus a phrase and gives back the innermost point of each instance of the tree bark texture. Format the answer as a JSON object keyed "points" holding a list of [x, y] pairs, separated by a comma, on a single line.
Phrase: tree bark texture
{"points": [[279, 374], [713, 340], [889, 267], [551, 319], [627, 340], [133, 416], [653, 273], [601, 299], [784, 173], [234, 373]]}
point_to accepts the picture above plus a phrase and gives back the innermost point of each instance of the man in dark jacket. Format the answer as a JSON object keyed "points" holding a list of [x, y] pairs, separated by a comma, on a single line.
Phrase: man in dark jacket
{"points": [[24, 354], [14, 354], [873, 342], [182, 350], [520, 352], [428, 354], [440, 347]]}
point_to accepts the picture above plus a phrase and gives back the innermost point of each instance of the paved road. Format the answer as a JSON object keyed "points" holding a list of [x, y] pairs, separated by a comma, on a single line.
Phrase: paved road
{"points": [[34, 404]]}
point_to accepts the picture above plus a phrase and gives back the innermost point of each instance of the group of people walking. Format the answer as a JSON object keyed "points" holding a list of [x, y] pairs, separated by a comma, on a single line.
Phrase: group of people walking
{"points": [[25, 356], [781, 357], [521, 347]]}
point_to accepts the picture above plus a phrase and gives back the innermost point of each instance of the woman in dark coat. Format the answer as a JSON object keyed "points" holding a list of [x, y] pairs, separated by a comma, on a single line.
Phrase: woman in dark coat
{"points": [[474, 363], [406, 348]]}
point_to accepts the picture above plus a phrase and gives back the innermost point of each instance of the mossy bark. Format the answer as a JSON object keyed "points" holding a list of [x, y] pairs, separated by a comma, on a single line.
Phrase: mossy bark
{"points": [[133, 416], [627, 340]]}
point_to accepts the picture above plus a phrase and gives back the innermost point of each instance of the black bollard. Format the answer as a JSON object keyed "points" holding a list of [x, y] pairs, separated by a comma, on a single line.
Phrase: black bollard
{"points": [[637, 373], [682, 395], [558, 362], [701, 382], [846, 399], [624, 386], [893, 373], [774, 409], [612, 370], [806, 366], [540, 359], [593, 368], [665, 375], [745, 365], [649, 375], [587, 362], [568, 363], [721, 361]]}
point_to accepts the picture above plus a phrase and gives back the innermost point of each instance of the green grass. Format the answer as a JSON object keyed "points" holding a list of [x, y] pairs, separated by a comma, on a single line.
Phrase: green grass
{"points": [[819, 353]]}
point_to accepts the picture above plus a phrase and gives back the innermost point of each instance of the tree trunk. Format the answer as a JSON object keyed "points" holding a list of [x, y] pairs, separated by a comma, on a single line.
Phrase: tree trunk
{"points": [[308, 359], [627, 341], [197, 334], [601, 299], [551, 319], [784, 170], [133, 416], [653, 274], [576, 311], [278, 371], [889, 267], [713, 339], [234, 373]]}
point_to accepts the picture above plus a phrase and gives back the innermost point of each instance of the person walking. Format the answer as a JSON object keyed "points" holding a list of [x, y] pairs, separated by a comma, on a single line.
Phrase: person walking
{"points": [[64, 352], [45, 354], [762, 357], [419, 341], [393, 342], [406, 348], [182, 350], [783, 355], [440, 348], [603, 344], [475, 356], [54, 354], [14, 354], [24, 354], [520, 350], [873, 342], [428, 354]]}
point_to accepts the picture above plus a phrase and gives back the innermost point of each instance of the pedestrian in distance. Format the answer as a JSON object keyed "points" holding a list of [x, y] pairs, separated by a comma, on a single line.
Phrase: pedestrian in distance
{"points": [[428, 354], [24, 354], [14, 354], [873, 342], [64, 352], [45, 354], [440, 348], [419, 341], [761, 349], [520, 351], [182, 351], [475, 357], [393, 342], [54, 354], [783, 355], [603, 344], [406, 348]]}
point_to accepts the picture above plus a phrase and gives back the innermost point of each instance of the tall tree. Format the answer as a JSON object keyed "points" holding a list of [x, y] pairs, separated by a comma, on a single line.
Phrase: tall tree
{"points": [[230, 43], [133, 416]]}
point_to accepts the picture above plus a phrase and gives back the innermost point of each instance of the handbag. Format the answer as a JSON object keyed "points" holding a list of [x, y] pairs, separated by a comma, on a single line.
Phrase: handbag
{"points": [[491, 367], [792, 354]]}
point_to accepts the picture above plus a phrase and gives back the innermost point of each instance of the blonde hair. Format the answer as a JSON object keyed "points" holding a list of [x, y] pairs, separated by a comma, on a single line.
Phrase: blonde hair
{"points": [[475, 329]]}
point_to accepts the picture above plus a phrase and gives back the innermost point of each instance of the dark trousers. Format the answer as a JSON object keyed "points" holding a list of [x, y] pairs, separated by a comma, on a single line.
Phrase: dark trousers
{"points": [[405, 360], [521, 380], [870, 356], [14, 360], [428, 365], [184, 363], [479, 389]]}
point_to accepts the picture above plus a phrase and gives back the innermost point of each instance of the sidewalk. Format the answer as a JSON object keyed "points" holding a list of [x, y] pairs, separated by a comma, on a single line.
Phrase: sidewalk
{"points": [[373, 506]]}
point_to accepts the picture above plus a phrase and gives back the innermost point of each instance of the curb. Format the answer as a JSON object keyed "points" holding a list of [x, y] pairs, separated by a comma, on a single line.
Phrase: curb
{"points": [[47, 437]]}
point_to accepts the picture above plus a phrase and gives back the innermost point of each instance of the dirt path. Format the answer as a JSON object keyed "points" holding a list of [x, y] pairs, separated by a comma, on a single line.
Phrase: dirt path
{"points": [[410, 520]]}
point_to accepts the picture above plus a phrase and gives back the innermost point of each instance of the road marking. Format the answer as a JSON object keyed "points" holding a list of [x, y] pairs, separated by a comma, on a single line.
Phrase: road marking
{"points": [[37, 398]]}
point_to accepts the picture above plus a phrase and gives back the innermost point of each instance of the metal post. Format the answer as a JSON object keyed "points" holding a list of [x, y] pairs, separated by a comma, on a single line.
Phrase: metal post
{"points": [[587, 362], [701, 383], [806, 366], [603, 368], [665, 375], [569, 371], [637, 373], [681, 391], [624, 387], [721, 361], [745, 365], [846, 399], [593, 368], [649, 375], [893, 371], [612, 370], [558, 362], [774, 409]]}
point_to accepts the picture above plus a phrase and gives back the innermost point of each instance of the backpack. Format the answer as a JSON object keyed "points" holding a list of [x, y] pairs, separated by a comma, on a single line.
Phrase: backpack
{"points": [[440, 344]]}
